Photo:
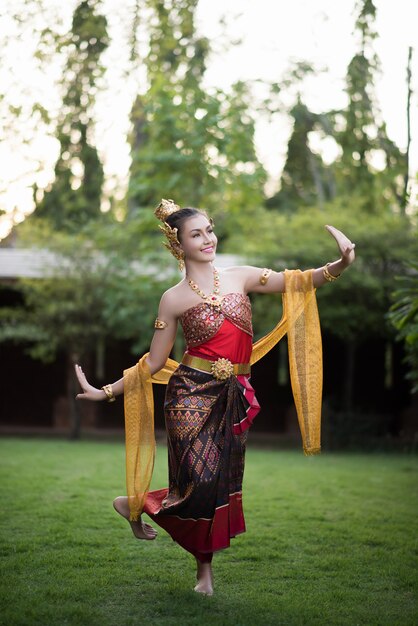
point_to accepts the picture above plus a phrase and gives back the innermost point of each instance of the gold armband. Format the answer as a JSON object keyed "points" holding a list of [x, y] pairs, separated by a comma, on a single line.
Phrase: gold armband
{"points": [[109, 393], [265, 274], [329, 277], [160, 324]]}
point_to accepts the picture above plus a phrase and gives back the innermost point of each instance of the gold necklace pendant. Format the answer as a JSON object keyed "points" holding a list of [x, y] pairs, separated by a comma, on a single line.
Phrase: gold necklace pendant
{"points": [[215, 299]]}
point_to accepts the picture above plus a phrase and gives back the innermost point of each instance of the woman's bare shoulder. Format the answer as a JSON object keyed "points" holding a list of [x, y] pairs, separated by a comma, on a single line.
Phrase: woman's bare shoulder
{"points": [[173, 292], [240, 271], [233, 270], [173, 298]]}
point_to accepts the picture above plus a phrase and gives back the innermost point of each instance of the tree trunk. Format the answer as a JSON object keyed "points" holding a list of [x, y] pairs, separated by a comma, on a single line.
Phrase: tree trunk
{"points": [[408, 130], [316, 175], [100, 358]]}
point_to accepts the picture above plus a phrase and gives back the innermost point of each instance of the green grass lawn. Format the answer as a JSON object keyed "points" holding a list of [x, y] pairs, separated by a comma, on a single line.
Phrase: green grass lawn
{"points": [[330, 540]]}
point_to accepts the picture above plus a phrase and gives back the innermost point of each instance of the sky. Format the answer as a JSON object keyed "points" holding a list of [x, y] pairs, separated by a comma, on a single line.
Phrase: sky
{"points": [[272, 33]]}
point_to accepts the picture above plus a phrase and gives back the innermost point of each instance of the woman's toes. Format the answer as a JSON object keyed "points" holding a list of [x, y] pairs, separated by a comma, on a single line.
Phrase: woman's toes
{"points": [[149, 531], [148, 527]]}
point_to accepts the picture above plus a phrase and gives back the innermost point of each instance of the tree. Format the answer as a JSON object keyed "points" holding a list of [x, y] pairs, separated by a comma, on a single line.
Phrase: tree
{"points": [[305, 180], [64, 310], [61, 312], [30, 31], [361, 192], [406, 190], [75, 195], [188, 141], [371, 165], [354, 308], [92, 291]]}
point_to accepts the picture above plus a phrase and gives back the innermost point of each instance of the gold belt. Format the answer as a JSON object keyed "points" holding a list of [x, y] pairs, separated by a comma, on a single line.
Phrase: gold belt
{"points": [[221, 369]]}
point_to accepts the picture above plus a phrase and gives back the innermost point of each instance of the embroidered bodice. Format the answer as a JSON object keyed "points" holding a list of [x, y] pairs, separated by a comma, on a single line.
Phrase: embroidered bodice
{"points": [[202, 321]]}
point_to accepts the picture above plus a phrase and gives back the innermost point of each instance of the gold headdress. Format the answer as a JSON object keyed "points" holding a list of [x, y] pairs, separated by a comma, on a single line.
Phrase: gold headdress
{"points": [[166, 208], [163, 210]]}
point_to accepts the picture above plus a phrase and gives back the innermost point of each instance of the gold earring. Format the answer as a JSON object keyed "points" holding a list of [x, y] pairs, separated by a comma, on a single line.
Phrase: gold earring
{"points": [[181, 265]]}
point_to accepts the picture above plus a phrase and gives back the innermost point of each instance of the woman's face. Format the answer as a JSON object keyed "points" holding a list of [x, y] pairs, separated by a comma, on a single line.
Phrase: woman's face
{"points": [[198, 239]]}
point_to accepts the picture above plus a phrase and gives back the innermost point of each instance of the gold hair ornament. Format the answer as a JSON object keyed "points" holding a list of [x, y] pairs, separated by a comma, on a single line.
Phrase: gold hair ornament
{"points": [[163, 210]]}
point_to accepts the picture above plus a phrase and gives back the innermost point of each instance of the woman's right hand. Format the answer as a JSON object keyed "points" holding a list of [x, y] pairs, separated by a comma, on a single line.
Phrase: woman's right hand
{"points": [[89, 392]]}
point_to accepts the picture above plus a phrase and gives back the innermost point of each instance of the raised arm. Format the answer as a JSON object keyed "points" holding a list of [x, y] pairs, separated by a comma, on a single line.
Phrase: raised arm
{"points": [[161, 346], [346, 249], [274, 281]]}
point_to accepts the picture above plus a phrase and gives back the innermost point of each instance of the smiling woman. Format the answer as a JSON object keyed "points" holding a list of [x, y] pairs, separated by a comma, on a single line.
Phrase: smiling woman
{"points": [[197, 238], [210, 402]]}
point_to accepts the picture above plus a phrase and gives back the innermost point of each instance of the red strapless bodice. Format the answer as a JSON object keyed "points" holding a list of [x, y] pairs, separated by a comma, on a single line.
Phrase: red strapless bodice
{"points": [[225, 332], [229, 342]]}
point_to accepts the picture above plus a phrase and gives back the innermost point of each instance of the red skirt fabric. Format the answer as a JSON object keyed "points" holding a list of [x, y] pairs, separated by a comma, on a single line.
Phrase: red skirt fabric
{"points": [[207, 422]]}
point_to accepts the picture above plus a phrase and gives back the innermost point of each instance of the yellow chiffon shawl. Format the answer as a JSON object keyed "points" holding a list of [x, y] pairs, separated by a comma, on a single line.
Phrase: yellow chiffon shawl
{"points": [[299, 320]]}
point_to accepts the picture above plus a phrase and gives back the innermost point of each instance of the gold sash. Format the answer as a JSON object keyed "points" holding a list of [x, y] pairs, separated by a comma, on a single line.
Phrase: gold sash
{"points": [[300, 321]]}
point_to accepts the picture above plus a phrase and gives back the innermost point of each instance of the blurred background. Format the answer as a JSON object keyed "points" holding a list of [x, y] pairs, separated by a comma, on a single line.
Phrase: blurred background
{"points": [[278, 119]]}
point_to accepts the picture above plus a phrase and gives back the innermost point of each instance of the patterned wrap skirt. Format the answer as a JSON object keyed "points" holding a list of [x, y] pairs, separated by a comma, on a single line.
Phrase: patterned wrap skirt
{"points": [[207, 422]]}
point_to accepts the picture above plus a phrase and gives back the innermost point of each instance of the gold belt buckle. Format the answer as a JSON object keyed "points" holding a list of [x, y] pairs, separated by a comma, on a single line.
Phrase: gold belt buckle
{"points": [[222, 369]]}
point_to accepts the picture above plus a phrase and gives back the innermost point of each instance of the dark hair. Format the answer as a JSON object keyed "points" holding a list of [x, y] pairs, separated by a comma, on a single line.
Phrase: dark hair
{"points": [[177, 219]]}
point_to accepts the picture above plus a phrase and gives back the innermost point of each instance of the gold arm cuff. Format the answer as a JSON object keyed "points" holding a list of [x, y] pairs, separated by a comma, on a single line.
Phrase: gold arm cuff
{"points": [[265, 275], [109, 393], [329, 277], [160, 324]]}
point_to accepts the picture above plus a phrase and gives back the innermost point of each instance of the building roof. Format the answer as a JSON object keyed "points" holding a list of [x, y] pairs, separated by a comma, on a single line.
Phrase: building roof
{"points": [[35, 262], [24, 262]]}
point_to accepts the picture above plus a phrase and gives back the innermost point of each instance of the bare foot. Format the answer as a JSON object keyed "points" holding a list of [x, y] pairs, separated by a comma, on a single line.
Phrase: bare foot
{"points": [[140, 529], [204, 578]]}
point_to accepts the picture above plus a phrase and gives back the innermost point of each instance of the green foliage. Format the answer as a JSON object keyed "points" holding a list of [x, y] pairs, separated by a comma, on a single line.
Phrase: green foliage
{"points": [[404, 316], [75, 195], [362, 193], [64, 310], [30, 66], [105, 281], [355, 306], [370, 168], [371, 165], [137, 272], [188, 143]]}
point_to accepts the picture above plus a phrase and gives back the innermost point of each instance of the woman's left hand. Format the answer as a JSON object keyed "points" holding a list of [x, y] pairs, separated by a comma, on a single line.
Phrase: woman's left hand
{"points": [[345, 246]]}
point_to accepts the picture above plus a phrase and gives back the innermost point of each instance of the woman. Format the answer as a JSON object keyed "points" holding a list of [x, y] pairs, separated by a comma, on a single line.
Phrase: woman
{"points": [[209, 403]]}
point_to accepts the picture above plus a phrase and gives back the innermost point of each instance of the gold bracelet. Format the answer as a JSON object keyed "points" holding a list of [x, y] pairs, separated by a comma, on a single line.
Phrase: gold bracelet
{"points": [[160, 324], [329, 277], [109, 393], [265, 274]]}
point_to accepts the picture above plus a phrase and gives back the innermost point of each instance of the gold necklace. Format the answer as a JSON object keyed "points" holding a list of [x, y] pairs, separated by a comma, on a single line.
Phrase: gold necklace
{"points": [[214, 299]]}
